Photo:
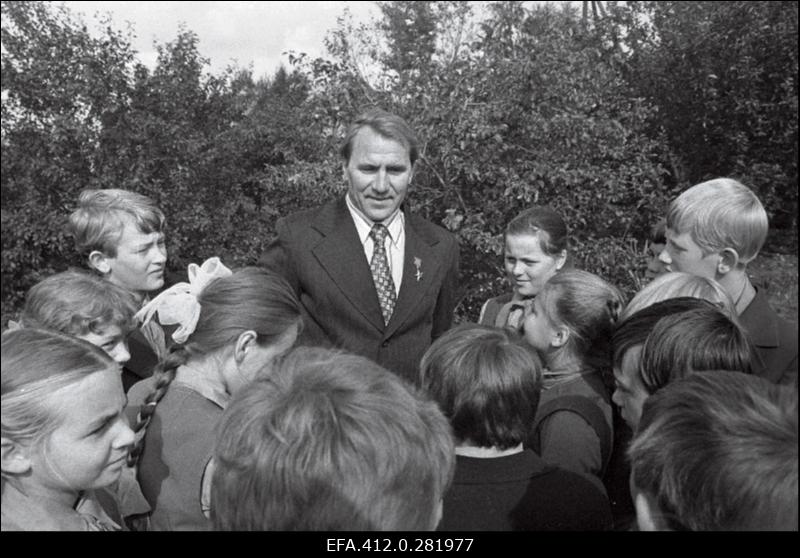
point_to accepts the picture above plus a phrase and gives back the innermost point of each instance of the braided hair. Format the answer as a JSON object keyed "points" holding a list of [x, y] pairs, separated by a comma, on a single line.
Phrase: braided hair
{"points": [[249, 299]]}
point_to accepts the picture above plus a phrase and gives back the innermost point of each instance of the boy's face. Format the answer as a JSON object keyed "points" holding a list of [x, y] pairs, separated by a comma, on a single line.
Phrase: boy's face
{"points": [[655, 266], [629, 392], [112, 340], [683, 254], [140, 260]]}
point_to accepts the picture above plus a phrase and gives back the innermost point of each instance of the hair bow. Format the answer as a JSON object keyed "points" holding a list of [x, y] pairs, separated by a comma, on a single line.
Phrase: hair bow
{"points": [[178, 304]]}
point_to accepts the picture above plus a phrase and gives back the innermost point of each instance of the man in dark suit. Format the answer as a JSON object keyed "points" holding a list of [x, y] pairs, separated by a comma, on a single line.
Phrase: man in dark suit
{"points": [[371, 278]]}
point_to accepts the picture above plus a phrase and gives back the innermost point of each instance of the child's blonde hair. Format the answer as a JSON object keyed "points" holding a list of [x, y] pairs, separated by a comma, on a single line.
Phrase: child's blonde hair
{"points": [[677, 284], [99, 219], [719, 214], [37, 363], [589, 307], [78, 303]]}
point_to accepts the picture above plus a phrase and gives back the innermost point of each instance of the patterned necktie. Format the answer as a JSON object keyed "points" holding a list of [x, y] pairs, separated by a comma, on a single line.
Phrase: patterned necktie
{"points": [[380, 272]]}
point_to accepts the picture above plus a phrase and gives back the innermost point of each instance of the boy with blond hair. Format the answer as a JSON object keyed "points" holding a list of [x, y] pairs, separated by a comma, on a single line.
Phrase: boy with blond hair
{"points": [[121, 234], [714, 229]]}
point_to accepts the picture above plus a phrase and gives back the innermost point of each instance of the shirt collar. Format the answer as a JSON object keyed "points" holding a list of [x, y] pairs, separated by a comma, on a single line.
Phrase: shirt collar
{"points": [[201, 384], [395, 225]]}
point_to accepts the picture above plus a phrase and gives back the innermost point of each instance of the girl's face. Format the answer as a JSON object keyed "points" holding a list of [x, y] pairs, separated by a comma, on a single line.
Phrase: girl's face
{"points": [[527, 267], [88, 448], [538, 329]]}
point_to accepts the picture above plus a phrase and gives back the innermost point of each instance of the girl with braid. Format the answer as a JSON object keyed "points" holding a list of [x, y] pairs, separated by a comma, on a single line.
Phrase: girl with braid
{"points": [[231, 324], [570, 324]]}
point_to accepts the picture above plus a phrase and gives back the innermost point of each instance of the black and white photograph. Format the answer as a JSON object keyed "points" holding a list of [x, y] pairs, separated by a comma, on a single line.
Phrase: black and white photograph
{"points": [[400, 276]]}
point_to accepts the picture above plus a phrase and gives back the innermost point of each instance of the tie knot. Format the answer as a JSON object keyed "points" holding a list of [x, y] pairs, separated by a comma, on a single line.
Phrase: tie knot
{"points": [[378, 233]]}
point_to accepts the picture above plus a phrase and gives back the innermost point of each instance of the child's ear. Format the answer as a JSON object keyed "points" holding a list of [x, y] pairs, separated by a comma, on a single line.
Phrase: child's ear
{"points": [[559, 337], [15, 459], [728, 260], [561, 259], [99, 261], [243, 343]]}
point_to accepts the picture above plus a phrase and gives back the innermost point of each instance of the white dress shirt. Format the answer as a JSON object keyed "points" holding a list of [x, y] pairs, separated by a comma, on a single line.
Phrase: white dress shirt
{"points": [[395, 240]]}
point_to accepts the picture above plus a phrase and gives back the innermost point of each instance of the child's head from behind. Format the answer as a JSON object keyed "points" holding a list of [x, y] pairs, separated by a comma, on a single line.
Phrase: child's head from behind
{"points": [[324, 440], [122, 235], [535, 249], [628, 341], [84, 305], [676, 284], [713, 228], [574, 316], [245, 320], [486, 381], [717, 451], [62, 402], [695, 340]]}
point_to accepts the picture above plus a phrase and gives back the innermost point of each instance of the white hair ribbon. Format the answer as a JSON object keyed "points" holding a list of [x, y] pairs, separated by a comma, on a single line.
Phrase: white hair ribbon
{"points": [[178, 304]]}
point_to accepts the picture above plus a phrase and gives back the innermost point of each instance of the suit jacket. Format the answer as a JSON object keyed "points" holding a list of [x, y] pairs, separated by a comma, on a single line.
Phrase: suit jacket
{"points": [[143, 360], [775, 340], [320, 254]]}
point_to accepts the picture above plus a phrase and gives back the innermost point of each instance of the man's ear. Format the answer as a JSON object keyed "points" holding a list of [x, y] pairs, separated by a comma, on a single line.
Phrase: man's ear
{"points": [[100, 262], [243, 343], [559, 337], [647, 512], [728, 260], [15, 458]]}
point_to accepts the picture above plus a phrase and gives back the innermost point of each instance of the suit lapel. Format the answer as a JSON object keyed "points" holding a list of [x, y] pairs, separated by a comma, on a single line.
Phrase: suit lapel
{"points": [[341, 254], [420, 268]]}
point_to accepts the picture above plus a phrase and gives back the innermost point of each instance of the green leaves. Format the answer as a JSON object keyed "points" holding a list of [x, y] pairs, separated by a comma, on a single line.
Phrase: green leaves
{"points": [[513, 107]]}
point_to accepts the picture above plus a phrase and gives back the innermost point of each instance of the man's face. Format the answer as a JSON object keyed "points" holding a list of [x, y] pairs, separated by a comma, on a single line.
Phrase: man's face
{"points": [[378, 174], [683, 254], [139, 263], [630, 393], [655, 266]]}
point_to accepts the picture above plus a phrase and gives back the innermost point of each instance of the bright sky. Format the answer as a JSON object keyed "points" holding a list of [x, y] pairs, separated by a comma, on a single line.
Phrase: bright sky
{"points": [[247, 32]]}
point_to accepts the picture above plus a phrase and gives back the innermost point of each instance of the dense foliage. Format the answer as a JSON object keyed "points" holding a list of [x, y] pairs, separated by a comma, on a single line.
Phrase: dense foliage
{"points": [[602, 120]]}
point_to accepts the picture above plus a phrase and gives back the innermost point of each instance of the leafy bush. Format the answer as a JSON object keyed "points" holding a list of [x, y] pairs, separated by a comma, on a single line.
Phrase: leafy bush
{"points": [[513, 107]]}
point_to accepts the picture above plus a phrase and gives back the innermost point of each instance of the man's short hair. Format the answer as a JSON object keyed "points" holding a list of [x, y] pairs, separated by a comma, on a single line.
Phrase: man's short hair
{"points": [[78, 303], [694, 340], [719, 214], [98, 221], [386, 124], [718, 451], [486, 381], [327, 441]]}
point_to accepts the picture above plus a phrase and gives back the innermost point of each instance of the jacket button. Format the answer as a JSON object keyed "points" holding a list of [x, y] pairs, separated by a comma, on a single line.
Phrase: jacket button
{"points": [[385, 344]]}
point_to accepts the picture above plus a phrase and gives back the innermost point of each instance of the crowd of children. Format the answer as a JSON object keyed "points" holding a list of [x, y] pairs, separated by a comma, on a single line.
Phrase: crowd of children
{"points": [[536, 418]]}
